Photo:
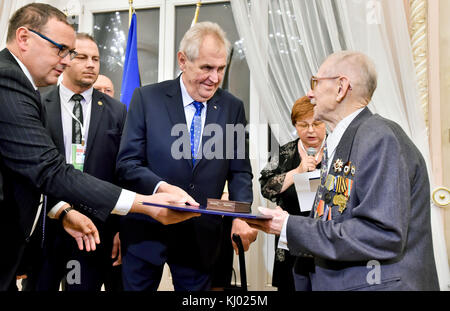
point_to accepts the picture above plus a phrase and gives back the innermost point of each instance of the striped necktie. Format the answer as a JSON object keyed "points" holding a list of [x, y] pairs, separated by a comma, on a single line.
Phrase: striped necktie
{"points": [[323, 177], [78, 113]]}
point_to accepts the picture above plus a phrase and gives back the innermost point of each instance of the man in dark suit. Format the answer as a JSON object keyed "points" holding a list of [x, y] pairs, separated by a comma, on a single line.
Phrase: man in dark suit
{"points": [[103, 118], [40, 44], [370, 226], [153, 157]]}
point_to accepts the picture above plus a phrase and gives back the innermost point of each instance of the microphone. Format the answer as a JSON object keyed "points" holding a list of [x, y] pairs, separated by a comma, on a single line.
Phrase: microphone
{"points": [[311, 151]]}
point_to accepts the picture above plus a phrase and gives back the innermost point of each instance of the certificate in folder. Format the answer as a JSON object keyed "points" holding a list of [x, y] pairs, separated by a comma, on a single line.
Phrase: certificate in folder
{"points": [[306, 185], [203, 210]]}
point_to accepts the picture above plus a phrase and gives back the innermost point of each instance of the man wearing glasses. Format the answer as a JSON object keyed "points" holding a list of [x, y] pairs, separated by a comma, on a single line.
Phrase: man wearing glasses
{"points": [[30, 164], [370, 226]]}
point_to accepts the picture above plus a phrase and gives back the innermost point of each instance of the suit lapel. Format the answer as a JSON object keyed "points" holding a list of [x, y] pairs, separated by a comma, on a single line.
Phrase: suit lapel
{"points": [[54, 123], [174, 103], [175, 108], [96, 115]]}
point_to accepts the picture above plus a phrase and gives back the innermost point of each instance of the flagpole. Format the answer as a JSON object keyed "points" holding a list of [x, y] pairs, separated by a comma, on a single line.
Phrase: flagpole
{"points": [[197, 10], [130, 12]]}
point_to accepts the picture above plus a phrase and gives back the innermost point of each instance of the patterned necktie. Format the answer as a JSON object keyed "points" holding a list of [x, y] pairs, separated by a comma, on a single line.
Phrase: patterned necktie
{"points": [[323, 176], [78, 113], [196, 129]]}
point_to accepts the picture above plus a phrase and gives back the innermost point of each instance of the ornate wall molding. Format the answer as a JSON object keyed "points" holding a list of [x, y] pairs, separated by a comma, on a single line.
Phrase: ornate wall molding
{"points": [[419, 42]]}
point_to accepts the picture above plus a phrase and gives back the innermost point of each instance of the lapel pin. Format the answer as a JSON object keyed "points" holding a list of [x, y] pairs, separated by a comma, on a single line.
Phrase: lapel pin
{"points": [[99, 103]]}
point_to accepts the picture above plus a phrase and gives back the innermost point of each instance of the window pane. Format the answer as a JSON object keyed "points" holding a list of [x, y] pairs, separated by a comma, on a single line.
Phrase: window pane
{"points": [[238, 80], [111, 32]]}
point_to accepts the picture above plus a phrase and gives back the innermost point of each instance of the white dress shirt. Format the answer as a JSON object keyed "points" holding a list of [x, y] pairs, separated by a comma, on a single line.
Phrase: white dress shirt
{"points": [[189, 112], [333, 140]]}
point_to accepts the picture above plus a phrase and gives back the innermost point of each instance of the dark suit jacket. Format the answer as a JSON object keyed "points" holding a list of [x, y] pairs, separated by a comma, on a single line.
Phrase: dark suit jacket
{"points": [[386, 225], [30, 164], [148, 155], [105, 130]]}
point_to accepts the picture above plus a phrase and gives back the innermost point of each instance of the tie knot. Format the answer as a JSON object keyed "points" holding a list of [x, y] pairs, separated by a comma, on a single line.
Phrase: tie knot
{"points": [[198, 106], [77, 97]]}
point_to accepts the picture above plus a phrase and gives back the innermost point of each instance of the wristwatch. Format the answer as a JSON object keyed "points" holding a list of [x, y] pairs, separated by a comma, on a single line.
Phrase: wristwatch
{"points": [[65, 212]]}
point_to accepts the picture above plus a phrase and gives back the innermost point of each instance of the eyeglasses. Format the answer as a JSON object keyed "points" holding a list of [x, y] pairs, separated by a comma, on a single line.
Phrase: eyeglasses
{"points": [[315, 80], [306, 125], [63, 49]]}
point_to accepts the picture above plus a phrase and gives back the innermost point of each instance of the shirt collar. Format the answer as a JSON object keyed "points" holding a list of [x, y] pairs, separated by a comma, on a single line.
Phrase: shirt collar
{"points": [[66, 94], [334, 137], [187, 99], [25, 70]]}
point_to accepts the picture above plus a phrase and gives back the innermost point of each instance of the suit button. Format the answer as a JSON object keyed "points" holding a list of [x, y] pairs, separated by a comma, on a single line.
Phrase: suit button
{"points": [[191, 186]]}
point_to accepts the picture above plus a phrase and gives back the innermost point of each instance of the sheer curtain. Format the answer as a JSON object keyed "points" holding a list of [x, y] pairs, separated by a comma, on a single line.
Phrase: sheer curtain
{"points": [[6, 8], [285, 42]]}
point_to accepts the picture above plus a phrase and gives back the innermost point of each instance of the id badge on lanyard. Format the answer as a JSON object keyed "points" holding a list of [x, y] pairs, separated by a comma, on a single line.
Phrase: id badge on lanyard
{"points": [[78, 152]]}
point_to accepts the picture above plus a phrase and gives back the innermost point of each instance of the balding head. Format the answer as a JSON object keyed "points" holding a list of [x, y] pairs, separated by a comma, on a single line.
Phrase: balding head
{"points": [[104, 85], [358, 67]]}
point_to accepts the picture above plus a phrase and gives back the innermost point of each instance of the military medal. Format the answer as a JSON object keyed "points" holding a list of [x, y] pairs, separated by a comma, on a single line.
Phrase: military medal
{"points": [[341, 201], [353, 170], [341, 187], [337, 166], [328, 198], [349, 184], [329, 183], [347, 168], [320, 208]]}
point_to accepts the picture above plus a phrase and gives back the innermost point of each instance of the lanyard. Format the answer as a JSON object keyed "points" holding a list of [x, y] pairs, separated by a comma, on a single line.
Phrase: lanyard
{"points": [[83, 128]]}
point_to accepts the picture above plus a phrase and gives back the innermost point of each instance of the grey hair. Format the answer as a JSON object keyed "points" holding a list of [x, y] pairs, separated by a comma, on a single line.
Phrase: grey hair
{"points": [[356, 63], [193, 38]]}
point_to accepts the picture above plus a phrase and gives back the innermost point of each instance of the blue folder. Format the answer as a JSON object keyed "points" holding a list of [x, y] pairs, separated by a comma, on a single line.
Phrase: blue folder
{"points": [[202, 210]]}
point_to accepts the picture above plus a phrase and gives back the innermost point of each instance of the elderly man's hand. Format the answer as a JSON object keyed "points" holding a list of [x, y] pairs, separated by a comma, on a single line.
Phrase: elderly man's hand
{"points": [[247, 234], [272, 226]]}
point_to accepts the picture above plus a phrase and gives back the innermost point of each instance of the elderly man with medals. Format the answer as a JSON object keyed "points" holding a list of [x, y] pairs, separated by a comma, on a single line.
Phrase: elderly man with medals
{"points": [[370, 227]]}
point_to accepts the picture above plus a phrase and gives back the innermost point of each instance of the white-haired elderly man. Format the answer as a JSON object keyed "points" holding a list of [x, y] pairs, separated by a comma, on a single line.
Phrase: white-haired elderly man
{"points": [[191, 108], [369, 228]]}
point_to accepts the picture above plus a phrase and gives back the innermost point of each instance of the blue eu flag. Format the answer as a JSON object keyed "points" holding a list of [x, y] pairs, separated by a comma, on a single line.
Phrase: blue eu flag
{"points": [[130, 79]]}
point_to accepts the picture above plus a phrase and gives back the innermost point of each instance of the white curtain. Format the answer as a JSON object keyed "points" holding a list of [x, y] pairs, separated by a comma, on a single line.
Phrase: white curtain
{"points": [[6, 8], [285, 41]]}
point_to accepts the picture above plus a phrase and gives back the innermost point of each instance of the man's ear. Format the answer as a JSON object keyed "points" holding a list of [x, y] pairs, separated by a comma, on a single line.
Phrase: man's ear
{"points": [[344, 87], [22, 38], [181, 57]]}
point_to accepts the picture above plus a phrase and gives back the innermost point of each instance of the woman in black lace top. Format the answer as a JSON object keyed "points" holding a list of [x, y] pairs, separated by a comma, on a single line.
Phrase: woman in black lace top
{"points": [[277, 182]]}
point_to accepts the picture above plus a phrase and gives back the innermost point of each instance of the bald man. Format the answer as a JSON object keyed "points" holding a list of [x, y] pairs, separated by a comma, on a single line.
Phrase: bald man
{"points": [[104, 85], [370, 226]]}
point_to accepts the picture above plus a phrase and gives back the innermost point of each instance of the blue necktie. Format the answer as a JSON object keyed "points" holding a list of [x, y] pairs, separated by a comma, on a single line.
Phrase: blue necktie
{"points": [[196, 129]]}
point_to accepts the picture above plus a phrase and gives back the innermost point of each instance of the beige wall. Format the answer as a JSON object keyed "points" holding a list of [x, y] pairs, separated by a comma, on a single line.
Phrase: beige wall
{"points": [[444, 74]]}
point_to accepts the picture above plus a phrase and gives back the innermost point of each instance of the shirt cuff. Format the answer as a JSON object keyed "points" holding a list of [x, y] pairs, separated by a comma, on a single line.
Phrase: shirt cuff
{"points": [[124, 203], [52, 213], [282, 242], [157, 186]]}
